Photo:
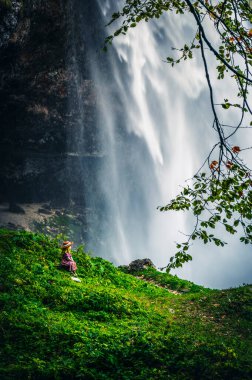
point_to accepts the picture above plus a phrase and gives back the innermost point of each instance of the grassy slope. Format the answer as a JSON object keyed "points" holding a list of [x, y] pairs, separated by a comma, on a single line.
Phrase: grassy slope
{"points": [[113, 325]]}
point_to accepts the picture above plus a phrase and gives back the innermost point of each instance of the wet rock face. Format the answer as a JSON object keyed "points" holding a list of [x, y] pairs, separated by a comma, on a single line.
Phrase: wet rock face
{"points": [[46, 97], [34, 79], [33, 99], [9, 16], [42, 153]]}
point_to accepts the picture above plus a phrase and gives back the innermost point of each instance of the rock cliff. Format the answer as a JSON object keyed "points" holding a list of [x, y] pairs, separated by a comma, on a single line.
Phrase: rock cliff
{"points": [[33, 99], [46, 97]]}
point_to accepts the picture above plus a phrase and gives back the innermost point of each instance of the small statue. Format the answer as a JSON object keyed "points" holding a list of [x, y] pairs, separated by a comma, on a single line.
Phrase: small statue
{"points": [[67, 261]]}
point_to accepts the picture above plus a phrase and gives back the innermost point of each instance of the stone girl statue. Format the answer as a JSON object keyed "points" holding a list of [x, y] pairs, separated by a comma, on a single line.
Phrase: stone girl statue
{"points": [[67, 261]]}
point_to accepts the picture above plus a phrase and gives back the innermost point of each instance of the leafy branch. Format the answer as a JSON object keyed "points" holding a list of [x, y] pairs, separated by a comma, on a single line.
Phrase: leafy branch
{"points": [[223, 198]]}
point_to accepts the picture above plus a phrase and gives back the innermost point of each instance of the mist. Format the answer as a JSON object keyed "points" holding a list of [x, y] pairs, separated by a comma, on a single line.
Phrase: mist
{"points": [[154, 125]]}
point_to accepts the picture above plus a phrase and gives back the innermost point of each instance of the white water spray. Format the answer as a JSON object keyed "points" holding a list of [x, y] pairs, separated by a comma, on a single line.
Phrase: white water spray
{"points": [[155, 122]]}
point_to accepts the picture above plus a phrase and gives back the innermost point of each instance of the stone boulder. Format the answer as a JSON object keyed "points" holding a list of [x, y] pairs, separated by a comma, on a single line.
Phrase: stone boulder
{"points": [[138, 265]]}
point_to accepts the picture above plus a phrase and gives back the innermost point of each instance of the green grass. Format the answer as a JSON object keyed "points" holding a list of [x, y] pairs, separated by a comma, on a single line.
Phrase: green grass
{"points": [[165, 280], [113, 325]]}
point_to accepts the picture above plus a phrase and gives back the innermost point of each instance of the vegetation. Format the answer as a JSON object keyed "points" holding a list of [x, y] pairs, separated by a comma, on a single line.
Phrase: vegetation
{"points": [[167, 281], [113, 325], [222, 32]]}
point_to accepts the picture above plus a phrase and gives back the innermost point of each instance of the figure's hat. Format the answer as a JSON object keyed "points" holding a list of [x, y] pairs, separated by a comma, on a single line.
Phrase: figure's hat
{"points": [[67, 244]]}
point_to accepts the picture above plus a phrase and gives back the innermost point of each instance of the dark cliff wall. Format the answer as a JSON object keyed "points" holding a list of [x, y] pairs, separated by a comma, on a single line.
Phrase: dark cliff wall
{"points": [[33, 99], [50, 151], [48, 106]]}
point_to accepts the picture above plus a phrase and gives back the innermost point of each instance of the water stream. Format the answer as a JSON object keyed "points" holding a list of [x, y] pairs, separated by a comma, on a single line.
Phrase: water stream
{"points": [[153, 127]]}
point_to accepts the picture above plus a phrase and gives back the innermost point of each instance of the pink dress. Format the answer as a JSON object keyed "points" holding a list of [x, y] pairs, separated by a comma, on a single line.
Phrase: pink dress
{"points": [[68, 263]]}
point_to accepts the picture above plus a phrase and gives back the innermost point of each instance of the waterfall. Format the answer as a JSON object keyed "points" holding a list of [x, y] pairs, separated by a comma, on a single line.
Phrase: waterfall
{"points": [[153, 131]]}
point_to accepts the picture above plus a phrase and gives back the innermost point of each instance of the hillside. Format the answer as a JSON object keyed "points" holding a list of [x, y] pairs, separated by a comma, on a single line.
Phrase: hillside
{"points": [[113, 325]]}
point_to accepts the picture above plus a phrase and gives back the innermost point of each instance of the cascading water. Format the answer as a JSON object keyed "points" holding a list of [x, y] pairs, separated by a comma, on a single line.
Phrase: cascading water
{"points": [[153, 127]]}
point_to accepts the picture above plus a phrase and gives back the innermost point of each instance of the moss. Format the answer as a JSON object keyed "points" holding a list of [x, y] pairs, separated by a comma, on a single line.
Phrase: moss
{"points": [[112, 325]]}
